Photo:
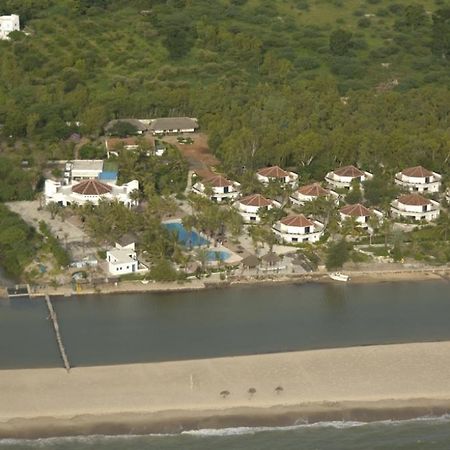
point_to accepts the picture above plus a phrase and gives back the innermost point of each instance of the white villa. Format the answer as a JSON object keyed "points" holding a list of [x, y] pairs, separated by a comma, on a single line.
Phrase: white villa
{"points": [[312, 192], [8, 24], [83, 169], [91, 190], [344, 176], [415, 207], [418, 179], [220, 189], [251, 206], [276, 173], [122, 260], [360, 214], [297, 228], [173, 125]]}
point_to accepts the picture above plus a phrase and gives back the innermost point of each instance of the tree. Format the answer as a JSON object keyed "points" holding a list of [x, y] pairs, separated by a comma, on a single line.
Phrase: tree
{"points": [[441, 32], [354, 195], [337, 254], [340, 42], [122, 129]]}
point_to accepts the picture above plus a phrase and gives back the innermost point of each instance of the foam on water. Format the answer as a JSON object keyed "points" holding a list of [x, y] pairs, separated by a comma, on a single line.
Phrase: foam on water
{"points": [[218, 432]]}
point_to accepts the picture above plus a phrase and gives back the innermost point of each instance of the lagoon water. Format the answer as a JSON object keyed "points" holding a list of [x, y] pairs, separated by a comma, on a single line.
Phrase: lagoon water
{"points": [[119, 329], [154, 327]]}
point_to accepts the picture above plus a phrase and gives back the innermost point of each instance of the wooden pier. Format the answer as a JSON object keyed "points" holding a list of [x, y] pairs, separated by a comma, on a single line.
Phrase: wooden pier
{"points": [[57, 333]]}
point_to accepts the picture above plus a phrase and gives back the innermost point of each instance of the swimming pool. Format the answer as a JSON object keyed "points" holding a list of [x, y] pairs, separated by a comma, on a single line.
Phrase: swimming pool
{"points": [[217, 255], [188, 238]]}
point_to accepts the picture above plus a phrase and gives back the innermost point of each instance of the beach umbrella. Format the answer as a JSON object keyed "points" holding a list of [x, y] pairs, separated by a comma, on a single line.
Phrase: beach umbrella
{"points": [[250, 261]]}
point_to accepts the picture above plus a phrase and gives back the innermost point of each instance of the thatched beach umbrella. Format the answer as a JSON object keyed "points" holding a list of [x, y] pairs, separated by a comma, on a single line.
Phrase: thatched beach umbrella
{"points": [[271, 258], [250, 262], [225, 394]]}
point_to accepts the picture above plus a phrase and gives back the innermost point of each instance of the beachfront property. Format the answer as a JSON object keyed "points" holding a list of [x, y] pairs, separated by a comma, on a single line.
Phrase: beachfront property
{"points": [[172, 125], [415, 207], [250, 207], [122, 260], [140, 126], [217, 188], [343, 177], [312, 192], [298, 228], [8, 24], [276, 174], [89, 191], [418, 179], [360, 214]]}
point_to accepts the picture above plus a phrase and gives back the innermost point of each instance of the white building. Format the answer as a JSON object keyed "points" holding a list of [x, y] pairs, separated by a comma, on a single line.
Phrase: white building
{"points": [[297, 228], [123, 260], [415, 207], [8, 24], [360, 214], [173, 125], [83, 169], [312, 192], [217, 188], [343, 177], [92, 191], [276, 173], [250, 207], [418, 179]]}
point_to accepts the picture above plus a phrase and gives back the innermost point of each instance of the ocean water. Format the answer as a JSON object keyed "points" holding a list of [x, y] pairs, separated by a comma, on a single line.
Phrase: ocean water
{"points": [[418, 434]]}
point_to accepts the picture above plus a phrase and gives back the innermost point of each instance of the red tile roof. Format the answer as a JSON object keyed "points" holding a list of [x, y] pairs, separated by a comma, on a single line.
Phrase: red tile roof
{"points": [[418, 172], [356, 210], [91, 187], [273, 172], [255, 200], [297, 221], [349, 171], [218, 181], [413, 200], [313, 190]]}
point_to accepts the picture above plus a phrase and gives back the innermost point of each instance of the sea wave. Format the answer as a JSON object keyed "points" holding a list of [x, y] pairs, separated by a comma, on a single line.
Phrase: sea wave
{"points": [[219, 432]]}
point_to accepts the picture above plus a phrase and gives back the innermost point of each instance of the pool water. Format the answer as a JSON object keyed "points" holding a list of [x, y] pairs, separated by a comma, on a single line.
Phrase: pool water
{"points": [[188, 238], [219, 255]]}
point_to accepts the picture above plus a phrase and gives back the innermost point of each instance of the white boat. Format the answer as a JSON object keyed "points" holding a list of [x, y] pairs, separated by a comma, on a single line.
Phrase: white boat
{"points": [[338, 276]]}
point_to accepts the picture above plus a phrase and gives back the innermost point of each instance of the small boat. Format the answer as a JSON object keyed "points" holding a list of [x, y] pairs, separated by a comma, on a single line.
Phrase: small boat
{"points": [[338, 276]]}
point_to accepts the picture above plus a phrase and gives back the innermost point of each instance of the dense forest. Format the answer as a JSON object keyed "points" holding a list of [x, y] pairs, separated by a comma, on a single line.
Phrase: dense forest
{"points": [[307, 84]]}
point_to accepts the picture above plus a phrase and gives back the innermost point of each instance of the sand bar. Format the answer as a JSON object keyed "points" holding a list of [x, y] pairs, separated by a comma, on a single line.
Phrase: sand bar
{"points": [[365, 382]]}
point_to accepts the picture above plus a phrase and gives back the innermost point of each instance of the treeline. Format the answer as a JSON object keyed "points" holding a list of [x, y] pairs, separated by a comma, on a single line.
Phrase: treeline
{"points": [[18, 243]]}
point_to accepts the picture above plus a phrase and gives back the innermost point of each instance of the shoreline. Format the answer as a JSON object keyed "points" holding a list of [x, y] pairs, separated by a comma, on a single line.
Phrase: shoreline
{"points": [[370, 383], [356, 277]]}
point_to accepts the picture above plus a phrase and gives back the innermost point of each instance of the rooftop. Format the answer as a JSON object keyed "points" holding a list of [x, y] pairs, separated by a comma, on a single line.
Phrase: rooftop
{"points": [[217, 181], [121, 255], [255, 200], [87, 164], [173, 123], [313, 190], [349, 171], [413, 200], [134, 122], [273, 172], [356, 210], [297, 221], [418, 172], [91, 187]]}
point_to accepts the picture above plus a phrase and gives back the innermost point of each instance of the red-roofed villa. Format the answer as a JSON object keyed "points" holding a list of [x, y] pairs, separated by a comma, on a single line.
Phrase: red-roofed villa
{"points": [[251, 206], [343, 177], [297, 228], [415, 207], [360, 214], [418, 179], [220, 188], [312, 192], [276, 173]]}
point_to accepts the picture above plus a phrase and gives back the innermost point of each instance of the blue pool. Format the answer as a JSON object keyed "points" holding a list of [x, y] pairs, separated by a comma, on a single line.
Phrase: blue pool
{"points": [[214, 255], [188, 238]]}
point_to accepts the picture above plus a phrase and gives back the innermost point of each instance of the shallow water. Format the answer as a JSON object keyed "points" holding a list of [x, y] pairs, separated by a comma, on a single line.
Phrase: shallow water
{"points": [[117, 329], [417, 434]]}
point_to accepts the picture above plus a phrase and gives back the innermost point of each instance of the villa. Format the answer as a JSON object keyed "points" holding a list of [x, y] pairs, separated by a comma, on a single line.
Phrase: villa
{"points": [[173, 125], [122, 260], [92, 191], [217, 188], [418, 179], [312, 192], [343, 177], [87, 169], [297, 228], [415, 207], [276, 173], [360, 214], [250, 207], [8, 24]]}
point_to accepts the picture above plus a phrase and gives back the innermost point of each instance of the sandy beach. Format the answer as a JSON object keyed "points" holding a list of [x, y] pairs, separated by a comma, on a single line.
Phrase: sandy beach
{"points": [[364, 383]]}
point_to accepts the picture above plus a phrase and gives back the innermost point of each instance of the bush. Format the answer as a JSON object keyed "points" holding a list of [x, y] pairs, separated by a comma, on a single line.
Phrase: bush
{"points": [[337, 254]]}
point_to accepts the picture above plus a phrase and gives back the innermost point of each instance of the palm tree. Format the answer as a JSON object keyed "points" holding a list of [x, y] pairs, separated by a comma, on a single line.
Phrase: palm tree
{"points": [[53, 208], [444, 225], [251, 392], [279, 389]]}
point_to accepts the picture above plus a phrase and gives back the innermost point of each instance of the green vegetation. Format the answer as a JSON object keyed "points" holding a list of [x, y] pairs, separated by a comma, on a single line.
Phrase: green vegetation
{"points": [[54, 246], [18, 242]]}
